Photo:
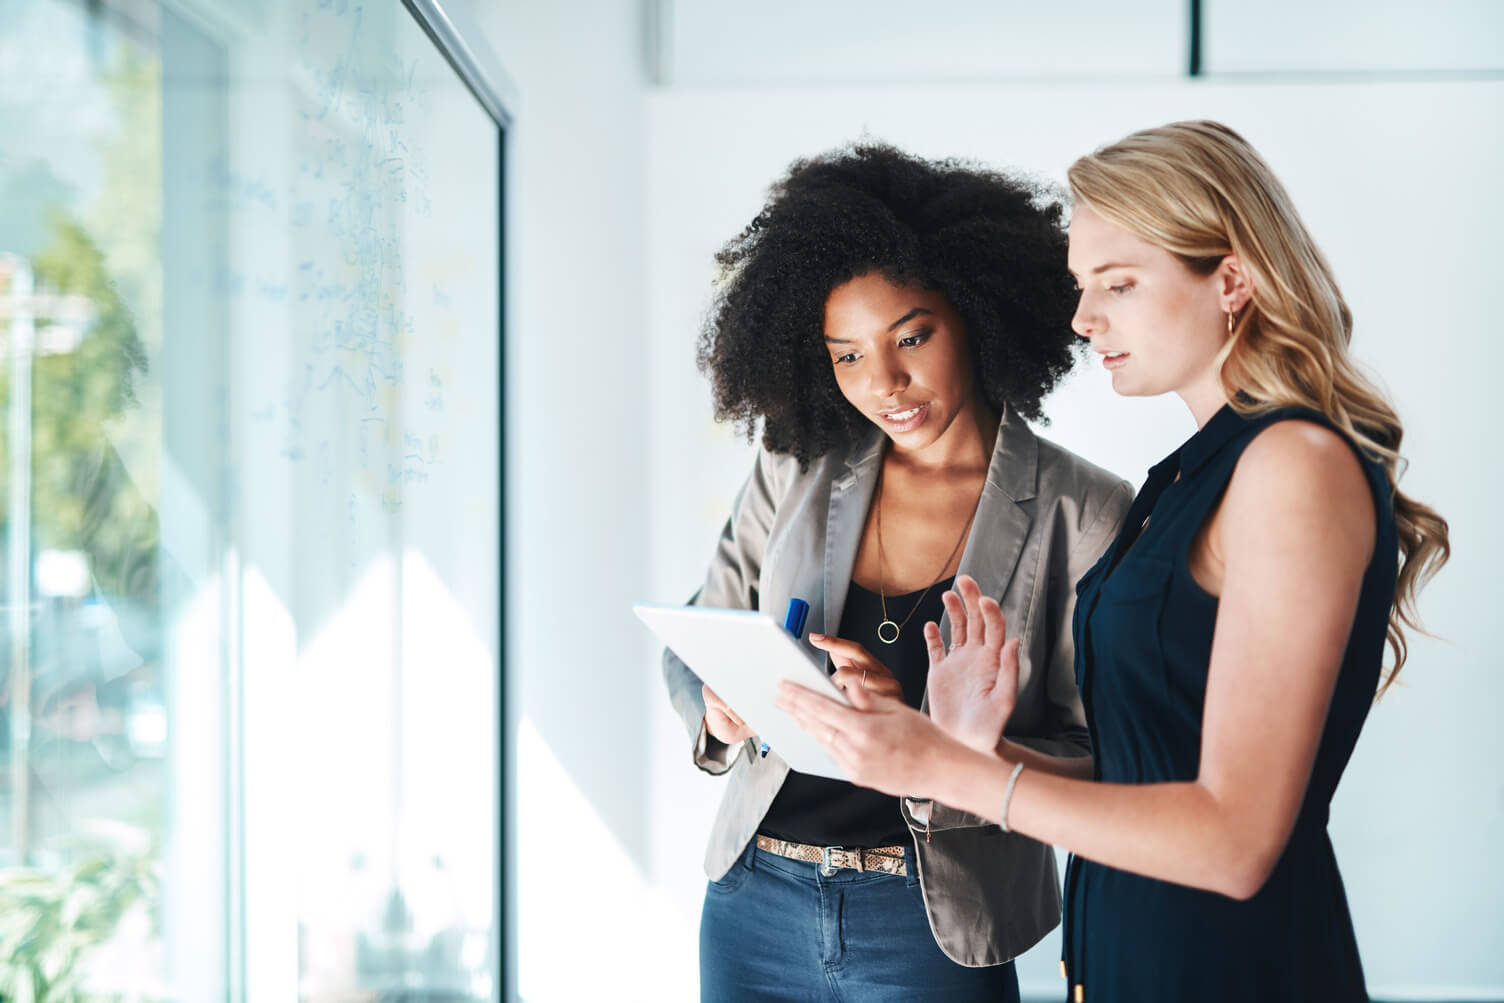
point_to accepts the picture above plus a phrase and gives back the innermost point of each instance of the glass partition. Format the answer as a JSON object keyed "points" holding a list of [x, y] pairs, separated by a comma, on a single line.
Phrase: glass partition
{"points": [[249, 673]]}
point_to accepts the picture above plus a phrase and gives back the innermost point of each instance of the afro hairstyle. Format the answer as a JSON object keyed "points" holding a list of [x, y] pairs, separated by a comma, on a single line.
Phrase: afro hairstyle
{"points": [[993, 245]]}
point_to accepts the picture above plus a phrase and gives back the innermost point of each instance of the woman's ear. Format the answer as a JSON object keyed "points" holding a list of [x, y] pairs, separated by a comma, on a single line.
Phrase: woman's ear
{"points": [[1234, 284]]}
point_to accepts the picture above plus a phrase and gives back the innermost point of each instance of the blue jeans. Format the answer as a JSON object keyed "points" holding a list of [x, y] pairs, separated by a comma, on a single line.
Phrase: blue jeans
{"points": [[776, 929]]}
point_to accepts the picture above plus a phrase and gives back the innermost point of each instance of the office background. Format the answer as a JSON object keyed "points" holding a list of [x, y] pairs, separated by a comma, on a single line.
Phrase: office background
{"points": [[346, 576]]}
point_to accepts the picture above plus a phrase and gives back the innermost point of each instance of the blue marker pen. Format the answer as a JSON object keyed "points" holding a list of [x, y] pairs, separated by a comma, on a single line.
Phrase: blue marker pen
{"points": [[793, 622]]}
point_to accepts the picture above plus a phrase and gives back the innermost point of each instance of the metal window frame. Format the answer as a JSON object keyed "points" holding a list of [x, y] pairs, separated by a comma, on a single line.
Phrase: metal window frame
{"points": [[459, 39]]}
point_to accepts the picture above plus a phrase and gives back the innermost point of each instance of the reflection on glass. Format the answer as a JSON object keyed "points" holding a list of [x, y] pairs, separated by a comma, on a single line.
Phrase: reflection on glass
{"points": [[248, 526], [82, 719]]}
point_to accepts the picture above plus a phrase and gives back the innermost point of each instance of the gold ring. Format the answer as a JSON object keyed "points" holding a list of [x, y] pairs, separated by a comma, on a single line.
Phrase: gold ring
{"points": [[864, 679]]}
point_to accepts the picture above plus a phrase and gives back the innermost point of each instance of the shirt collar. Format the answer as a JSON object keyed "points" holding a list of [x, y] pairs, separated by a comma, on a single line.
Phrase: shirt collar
{"points": [[1209, 439]]}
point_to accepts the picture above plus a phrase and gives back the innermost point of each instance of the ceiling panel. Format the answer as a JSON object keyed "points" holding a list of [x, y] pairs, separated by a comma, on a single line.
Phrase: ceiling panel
{"points": [[789, 42], [1352, 36]]}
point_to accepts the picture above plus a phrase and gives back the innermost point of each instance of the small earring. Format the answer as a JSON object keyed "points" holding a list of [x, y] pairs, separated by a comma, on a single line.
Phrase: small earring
{"points": [[1229, 323]]}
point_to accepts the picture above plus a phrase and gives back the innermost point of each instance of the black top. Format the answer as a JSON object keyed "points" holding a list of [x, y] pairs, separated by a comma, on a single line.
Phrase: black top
{"points": [[1143, 630], [825, 812]]}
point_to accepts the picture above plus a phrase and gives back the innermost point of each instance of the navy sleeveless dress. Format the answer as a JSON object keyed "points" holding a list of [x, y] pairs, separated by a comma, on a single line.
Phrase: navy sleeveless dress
{"points": [[1143, 632]]}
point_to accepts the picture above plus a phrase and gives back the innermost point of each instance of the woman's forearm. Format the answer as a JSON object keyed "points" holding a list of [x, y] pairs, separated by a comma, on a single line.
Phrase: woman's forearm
{"points": [[1171, 831], [1062, 766]]}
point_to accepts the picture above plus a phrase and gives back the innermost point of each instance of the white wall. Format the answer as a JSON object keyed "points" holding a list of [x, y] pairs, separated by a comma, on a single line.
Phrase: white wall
{"points": [[1397, 181], [589, 922], [618, 480]]}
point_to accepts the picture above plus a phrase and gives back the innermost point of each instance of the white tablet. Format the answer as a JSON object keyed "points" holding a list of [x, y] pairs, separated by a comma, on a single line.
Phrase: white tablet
{"points": [[743, 655]]}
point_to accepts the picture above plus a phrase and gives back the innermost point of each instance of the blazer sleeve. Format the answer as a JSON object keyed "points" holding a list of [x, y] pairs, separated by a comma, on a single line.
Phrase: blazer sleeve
{"points": [[1064, 726], [731, 582]]}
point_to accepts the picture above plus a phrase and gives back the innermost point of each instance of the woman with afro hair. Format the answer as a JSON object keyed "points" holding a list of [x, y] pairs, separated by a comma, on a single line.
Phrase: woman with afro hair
{"points": [[890, 323]]}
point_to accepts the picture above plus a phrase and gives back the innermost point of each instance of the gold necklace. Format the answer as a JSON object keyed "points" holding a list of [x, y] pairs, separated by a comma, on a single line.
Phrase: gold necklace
{"points": [[882, 596]]}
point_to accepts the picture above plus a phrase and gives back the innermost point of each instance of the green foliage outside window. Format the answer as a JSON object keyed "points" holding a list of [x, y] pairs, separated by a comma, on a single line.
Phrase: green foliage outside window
{"points": [[50, 921]]}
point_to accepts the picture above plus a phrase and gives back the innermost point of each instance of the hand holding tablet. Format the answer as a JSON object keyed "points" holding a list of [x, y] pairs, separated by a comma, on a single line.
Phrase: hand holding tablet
{"points": [[742, 655]]}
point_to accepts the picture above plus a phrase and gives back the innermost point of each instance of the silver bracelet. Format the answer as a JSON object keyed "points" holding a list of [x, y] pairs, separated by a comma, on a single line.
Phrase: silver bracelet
{"points": [[1008, 795]]}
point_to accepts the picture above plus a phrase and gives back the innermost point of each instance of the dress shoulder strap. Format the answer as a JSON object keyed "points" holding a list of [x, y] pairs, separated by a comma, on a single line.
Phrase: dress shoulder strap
{"points": [[1215, 470]]}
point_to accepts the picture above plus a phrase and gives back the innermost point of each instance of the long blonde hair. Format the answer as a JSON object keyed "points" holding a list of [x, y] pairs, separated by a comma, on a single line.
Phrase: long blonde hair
{"points": [[1201, 192]]}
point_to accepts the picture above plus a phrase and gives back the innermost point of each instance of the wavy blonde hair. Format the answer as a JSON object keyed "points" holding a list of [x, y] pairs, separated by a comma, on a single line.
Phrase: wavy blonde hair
{"points": [[1201, 192]]}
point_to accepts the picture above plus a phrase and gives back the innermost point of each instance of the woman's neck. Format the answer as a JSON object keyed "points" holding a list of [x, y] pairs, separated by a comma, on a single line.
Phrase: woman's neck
{"points": [[1204, 398], [964, 448]]}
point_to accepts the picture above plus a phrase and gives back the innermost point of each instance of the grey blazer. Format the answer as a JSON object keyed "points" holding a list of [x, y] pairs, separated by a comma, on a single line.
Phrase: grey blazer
{"points": [[1044, 517]]}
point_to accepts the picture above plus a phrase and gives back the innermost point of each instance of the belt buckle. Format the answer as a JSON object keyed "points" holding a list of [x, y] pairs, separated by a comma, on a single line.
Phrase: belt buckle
{"points": [[826, 867]]}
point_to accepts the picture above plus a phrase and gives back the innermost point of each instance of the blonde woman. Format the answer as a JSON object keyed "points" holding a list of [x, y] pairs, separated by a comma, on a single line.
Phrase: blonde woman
{"points": [[1230, 641]]}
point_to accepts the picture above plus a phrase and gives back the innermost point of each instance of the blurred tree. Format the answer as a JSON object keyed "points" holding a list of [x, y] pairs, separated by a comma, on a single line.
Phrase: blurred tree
{"points": [[87, 405], [96, 441], [82, 498]]}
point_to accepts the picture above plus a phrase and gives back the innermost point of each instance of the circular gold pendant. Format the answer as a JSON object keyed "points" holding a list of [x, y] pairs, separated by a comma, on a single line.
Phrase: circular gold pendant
{"points": [[882, 634]]}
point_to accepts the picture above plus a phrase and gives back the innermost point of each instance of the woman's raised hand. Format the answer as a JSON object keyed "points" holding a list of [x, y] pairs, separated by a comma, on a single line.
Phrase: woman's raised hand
{"points": [[857, 667], [973, 684]]}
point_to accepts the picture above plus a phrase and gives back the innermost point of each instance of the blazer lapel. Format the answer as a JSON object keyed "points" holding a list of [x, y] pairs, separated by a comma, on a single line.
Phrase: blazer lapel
{"points": [[1002, 522], [1012, 475], [850, 500], [991, 555]]}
